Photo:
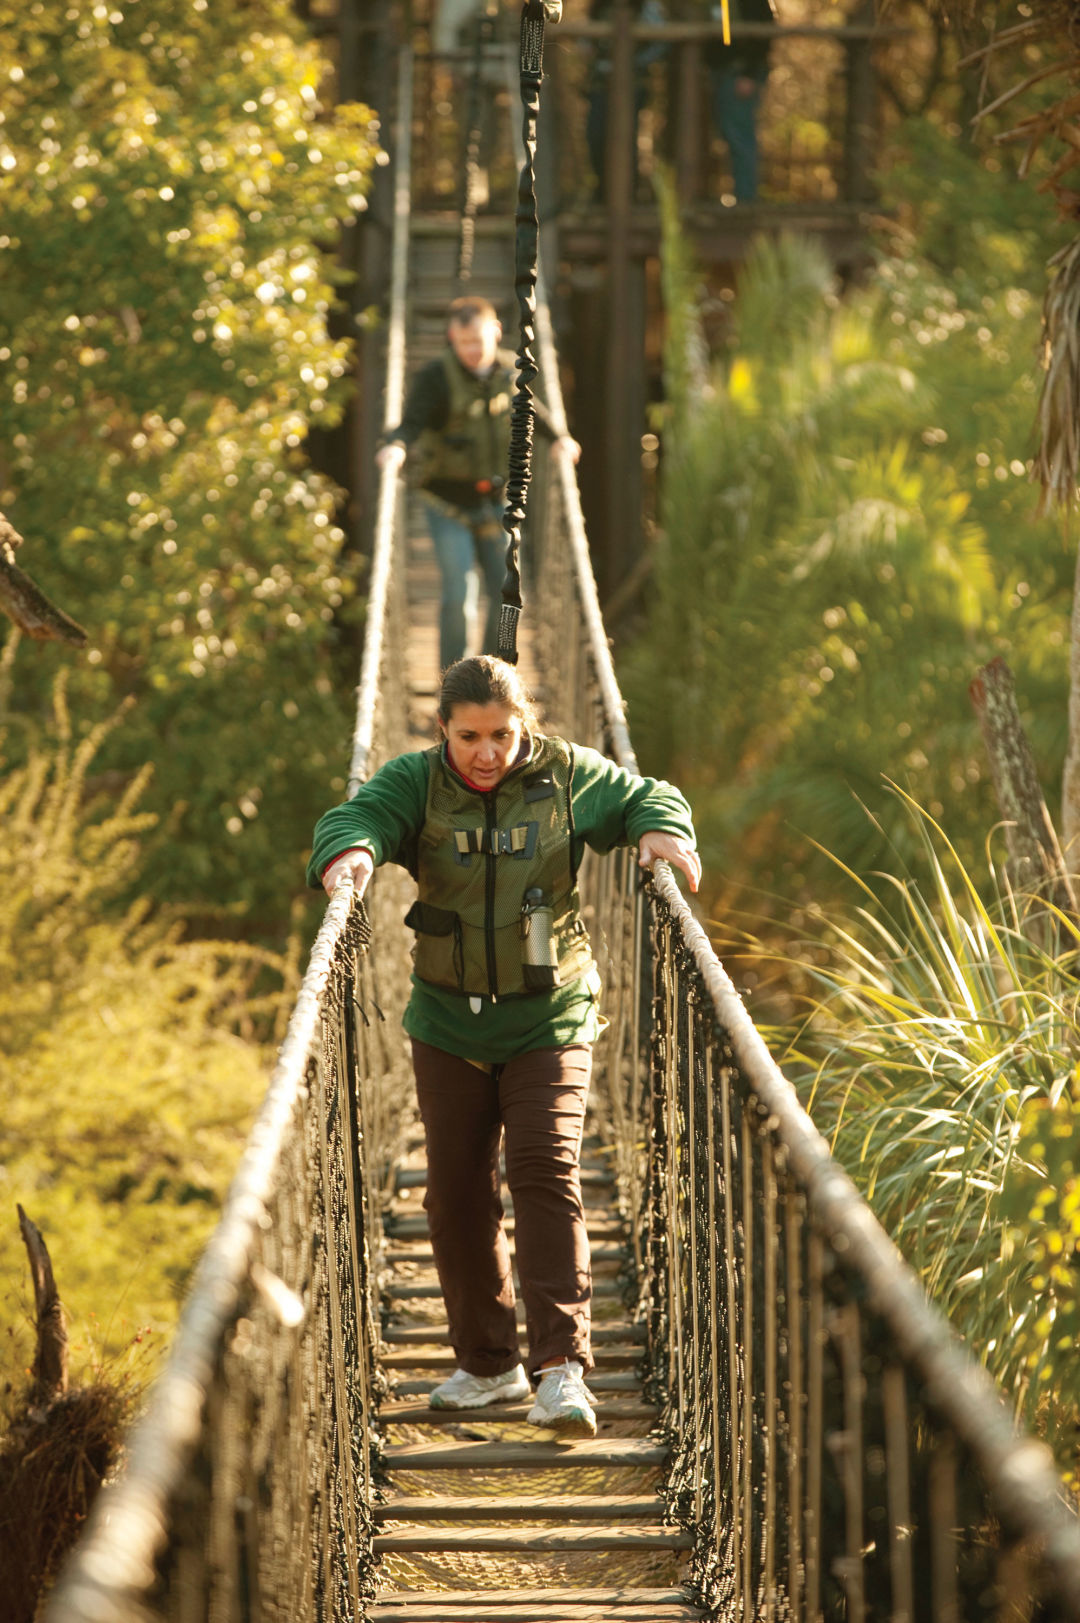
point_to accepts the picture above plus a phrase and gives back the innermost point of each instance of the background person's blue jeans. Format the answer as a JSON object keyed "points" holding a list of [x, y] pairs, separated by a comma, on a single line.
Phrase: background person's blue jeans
{"points": [[735, 116], [460, 547]]}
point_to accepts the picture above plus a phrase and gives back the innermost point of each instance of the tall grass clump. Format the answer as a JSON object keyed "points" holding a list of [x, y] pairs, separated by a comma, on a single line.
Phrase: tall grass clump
{"points": [[939, 1053], [132, 1057]]}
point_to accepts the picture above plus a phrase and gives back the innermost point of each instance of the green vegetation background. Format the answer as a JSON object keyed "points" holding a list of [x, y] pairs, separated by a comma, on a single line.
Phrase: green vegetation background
{"points": [[172, 185], [848, 531]]}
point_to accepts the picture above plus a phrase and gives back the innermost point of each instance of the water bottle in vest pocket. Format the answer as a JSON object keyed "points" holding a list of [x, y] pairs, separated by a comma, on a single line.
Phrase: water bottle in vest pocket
{"points": [[539, 958]]}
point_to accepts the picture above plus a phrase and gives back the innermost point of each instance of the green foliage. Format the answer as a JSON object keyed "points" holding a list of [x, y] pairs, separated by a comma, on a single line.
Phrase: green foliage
{"points": [[938, 1056], [1041, 1202], [129, 1072], [172, 187], [848, 532]]}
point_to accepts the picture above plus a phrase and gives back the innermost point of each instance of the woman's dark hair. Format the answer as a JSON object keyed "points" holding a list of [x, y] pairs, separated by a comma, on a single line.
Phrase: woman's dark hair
{"points": [[485, 680]]}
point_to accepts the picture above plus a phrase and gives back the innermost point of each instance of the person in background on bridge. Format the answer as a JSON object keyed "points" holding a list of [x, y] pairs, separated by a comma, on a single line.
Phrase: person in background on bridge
{"points": [[457, 424], [599, 85], [492, 823], [737, 75]]}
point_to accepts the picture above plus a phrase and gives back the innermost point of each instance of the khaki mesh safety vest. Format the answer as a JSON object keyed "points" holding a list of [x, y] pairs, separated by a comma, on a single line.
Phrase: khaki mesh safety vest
{"points": [[477, 855], [474, 445]]}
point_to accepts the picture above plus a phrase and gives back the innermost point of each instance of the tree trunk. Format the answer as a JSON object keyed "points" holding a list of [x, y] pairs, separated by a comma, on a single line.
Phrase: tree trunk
{"points": [[1036, 865], [50, 1371]]}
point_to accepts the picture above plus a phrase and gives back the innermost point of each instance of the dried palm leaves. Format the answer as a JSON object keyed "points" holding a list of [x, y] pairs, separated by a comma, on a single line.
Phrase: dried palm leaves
{"points": [[25, 603], [1057, 462], [1053, 26]]}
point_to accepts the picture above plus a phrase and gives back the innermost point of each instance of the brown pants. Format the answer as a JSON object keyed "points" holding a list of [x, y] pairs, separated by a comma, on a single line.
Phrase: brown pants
{"points": [[539, 1100]]}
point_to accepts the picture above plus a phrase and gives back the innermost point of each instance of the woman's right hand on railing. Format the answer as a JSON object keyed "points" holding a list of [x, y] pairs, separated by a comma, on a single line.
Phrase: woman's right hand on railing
{"points": [[356, 865]]}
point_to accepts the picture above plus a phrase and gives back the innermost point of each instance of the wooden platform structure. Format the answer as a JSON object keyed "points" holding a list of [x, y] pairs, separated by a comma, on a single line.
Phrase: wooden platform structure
{"points": [[601, 242]]}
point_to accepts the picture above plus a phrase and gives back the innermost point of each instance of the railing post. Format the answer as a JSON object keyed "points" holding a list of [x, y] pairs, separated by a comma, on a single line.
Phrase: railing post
{"points": [[623, 321], [860, 131], [688, 146]]}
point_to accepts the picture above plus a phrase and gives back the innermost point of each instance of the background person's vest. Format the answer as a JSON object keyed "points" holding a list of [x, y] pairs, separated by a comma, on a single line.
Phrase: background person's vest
{"points": [[477, 856], [474, 445]]}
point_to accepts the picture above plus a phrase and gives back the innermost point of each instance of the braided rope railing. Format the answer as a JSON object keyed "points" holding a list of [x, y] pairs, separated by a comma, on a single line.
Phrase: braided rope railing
{"points": [[836, 1451], [249, 1482]]}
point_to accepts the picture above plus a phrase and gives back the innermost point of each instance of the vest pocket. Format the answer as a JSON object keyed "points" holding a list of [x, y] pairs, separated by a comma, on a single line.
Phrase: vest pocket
{"points": [[427, 919]]}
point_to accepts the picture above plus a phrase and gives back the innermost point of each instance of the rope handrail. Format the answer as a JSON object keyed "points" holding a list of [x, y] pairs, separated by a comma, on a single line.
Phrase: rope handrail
{"points": [[1026, 1486], [114, 1562]]}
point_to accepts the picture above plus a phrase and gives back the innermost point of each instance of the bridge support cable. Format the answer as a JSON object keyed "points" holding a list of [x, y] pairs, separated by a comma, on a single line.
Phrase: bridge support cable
{"points": [[834, 1442], [250, 1482]]}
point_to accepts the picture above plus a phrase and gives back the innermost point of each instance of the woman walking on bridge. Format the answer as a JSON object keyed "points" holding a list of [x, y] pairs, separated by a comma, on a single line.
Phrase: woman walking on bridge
{"points": [[492, 823]]}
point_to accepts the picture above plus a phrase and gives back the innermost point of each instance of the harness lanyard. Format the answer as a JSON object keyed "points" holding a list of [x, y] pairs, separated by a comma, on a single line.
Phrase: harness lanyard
{"points": [[526, 249]]}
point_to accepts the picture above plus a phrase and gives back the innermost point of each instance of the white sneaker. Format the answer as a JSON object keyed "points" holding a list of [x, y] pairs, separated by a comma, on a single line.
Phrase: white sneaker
{"points": [[465, 1391], [564, 1402]]}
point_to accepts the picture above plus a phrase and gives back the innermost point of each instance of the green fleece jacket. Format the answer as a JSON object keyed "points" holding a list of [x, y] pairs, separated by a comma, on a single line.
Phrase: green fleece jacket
{"points": [[610, 807]]}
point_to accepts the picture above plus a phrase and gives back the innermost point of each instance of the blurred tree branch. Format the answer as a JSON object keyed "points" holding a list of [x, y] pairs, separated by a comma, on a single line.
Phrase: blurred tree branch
{"points": [[25, 603]]}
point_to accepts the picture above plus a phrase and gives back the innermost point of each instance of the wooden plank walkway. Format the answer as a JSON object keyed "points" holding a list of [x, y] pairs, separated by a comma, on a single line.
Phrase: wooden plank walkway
{"points": [[489, 1520]]}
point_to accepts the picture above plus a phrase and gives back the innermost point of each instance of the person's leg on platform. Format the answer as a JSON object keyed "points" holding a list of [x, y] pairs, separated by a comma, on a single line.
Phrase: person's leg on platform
{"points": [[490, 541], [453, 542], [735, 107], [596, 133], [543, 1096], [459, 1106]]}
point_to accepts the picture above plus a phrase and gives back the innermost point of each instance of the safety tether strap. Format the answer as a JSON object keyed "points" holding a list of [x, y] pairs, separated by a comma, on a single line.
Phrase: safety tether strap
{"points": [[526, 249]]}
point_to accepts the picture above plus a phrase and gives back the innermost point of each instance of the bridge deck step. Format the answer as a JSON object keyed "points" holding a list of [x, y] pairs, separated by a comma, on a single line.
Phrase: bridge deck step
{"points": [[454, 1456], [445, 1541], [423, 1335], [423, 1254], [580, 1507], [409, 1290], [591, 1177], [420, 1414], [442, 1358], [535, 1606], [415, 1225], [599, 1380]]}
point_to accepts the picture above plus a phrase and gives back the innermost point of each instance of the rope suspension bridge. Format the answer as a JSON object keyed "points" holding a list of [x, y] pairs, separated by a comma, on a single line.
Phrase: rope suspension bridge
{"points": [[787, 1429]]}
